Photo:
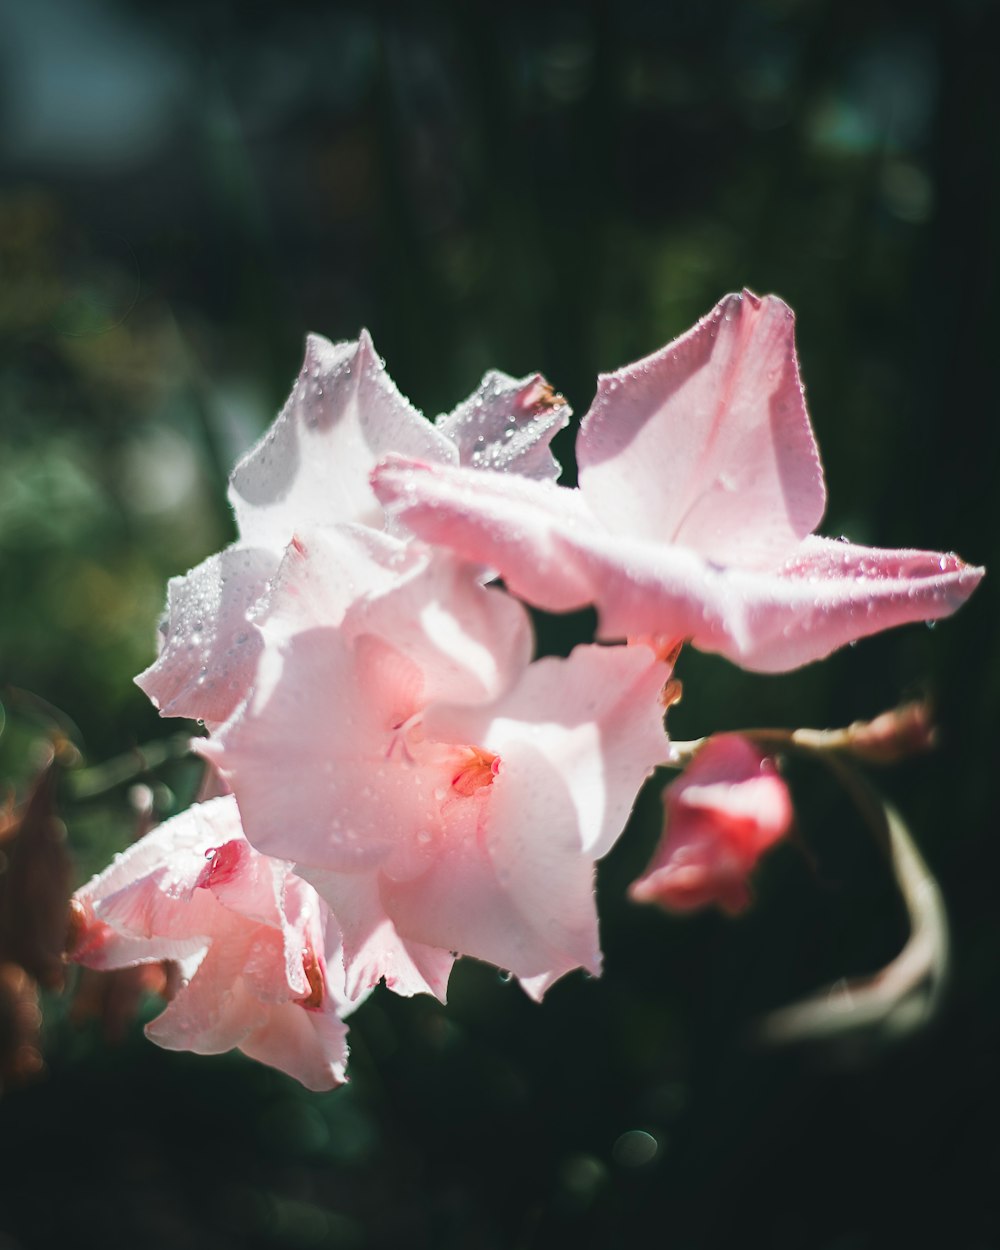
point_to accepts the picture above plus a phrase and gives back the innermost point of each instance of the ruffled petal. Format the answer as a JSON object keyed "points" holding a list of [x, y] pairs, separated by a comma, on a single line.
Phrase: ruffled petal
{"points": [[516, 527], [514, 885], [596, 721], [311, 467], [707, 444], [310, 1046], [209, 649], [324, 571], [150, 891], [216, 1010], [831, 593], [826, 594], [373, 949], [332, 709], [251, 940], [508, 424], [537, 917]]}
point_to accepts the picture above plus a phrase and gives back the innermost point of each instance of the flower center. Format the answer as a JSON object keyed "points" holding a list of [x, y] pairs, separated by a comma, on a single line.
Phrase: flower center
{"points": [[474, 770], [314, 975]]}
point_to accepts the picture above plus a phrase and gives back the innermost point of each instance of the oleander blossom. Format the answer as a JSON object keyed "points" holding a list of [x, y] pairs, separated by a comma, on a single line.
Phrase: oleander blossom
{"points": [[728, 808], [700, 488], [442, 793], [311, 468], [259, 952]]}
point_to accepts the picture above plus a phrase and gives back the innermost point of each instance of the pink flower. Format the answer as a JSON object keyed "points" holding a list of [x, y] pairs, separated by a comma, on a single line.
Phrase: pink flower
{"points": [[311, 468], [727, 809], [700, 485], [259, 951], [444, 795]]}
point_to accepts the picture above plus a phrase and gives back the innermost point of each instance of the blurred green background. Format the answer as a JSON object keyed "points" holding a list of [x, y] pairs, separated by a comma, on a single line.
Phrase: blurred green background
{"points": [[185, 190]]}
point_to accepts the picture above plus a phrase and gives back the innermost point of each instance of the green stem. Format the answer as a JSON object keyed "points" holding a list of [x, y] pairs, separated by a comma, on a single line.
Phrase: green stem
{"points": [[907, 992], [88, 783]]}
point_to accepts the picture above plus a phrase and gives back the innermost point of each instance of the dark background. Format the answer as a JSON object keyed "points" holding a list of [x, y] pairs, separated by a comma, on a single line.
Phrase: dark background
{"points": [[185, 190]]}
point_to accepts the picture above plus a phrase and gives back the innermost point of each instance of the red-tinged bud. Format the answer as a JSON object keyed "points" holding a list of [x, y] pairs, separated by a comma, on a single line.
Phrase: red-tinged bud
{"points": [[726, 810]]}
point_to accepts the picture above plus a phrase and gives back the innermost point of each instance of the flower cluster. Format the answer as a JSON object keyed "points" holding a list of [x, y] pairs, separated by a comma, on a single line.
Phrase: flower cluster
{"points": [[406, 783]]}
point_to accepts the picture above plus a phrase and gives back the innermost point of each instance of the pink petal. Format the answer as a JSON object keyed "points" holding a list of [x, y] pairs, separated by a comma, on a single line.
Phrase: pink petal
{"points": [[827, 595], [323, 572], [525, 530], [830, 593], [469, 642], [707, 444], [312, 775], [256, 945], [310, 1046], [244, 882], [727, 809], [311, 467], [553, 554], [507, 424], [373, 950], [436, 634], [209, 650], [594, 720], [464, 904], [215, 1011], [576, 739], [150, 891]]}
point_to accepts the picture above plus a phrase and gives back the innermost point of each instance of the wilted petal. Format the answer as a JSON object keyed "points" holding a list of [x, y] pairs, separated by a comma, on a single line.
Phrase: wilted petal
{"points": [[729, 807], [707, 444], [209, 649], [508, 424], [311, 467]]}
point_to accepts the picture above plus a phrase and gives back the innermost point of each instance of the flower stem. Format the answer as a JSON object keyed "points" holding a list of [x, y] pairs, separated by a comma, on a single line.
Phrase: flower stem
{"points": [[88, 783], [907, 992]]}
